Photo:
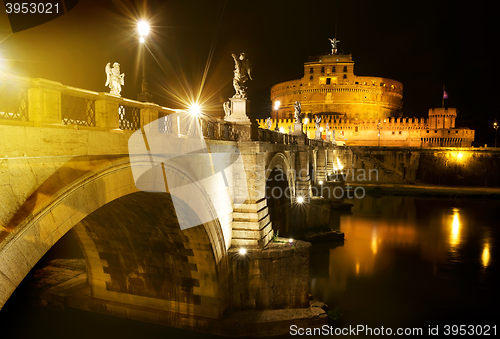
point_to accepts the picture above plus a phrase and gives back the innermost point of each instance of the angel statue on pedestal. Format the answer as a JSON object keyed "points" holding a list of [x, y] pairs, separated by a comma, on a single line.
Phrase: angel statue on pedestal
{"points": [[317, 121], [114, 79], [298, 108], [242, 72], [269, 123]]}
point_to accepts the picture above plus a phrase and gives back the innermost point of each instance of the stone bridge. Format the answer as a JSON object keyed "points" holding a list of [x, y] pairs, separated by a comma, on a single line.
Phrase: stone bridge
{"points": [[64, 165]]}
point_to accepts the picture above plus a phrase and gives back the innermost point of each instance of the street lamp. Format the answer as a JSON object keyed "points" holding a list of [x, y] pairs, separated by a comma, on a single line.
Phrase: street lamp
{"points": [[143, 30], [495, 126], [379, 127], [277, 104]]}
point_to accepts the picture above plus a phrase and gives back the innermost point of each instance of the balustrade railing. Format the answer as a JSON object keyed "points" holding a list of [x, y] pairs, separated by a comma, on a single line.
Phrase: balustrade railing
{"points": [[76, 110], [129, 117], [14, 103]]}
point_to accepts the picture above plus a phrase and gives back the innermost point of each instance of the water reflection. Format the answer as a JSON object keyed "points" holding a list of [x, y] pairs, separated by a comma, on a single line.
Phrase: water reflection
{"points": [[455, 230], [486, 255], [408, 255]]}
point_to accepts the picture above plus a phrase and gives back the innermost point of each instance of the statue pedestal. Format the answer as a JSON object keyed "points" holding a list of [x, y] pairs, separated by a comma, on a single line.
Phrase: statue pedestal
{"points": [[317, 136], [239, 109], [297, 129]]}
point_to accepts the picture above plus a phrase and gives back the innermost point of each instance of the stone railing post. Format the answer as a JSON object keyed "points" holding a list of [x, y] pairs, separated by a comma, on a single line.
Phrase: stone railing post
{"points": [[149, 113], [44, 98], [106, 114]]}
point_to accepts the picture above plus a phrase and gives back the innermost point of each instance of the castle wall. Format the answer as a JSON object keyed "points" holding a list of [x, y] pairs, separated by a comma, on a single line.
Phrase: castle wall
{"points": [[393, 132], [329, 86]]}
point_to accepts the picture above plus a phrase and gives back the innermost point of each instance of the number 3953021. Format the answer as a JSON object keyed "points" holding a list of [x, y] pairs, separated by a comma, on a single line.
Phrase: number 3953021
{"points": [[32, 7]]}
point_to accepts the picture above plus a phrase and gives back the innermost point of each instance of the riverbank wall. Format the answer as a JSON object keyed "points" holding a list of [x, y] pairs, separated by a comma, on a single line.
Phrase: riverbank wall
{"points": [[472, 167]]}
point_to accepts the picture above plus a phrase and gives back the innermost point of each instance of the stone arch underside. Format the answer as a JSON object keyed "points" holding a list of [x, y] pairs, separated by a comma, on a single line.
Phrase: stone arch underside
{"points": [[31, 238], [279, 193]]}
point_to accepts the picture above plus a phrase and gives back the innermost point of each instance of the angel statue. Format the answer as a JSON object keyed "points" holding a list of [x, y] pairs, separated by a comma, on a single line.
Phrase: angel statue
{"points": [[298, 108], [269, 123], [334, 43], [241, 75], [317, 121], [227, 108], [114, 79]]}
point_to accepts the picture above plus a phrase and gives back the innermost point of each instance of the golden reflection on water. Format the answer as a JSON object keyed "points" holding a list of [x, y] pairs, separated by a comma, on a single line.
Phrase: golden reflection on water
{"points": [[485, 258], [375, 242], [455, 229]]}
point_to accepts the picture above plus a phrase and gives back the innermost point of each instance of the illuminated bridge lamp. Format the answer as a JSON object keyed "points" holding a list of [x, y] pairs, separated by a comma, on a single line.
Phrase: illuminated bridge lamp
{"points": [[290, 240], [300, 200], [242, 251], [277, 104], [195, 110], [143, 28]]}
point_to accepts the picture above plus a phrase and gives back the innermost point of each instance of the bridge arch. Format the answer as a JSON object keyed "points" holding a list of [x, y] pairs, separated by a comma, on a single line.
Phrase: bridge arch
{"points": [[33, 236], [280, 192]]}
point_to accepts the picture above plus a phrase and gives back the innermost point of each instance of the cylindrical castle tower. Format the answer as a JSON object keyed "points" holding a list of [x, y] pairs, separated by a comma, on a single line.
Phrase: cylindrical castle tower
{"points": [[329, 87]]}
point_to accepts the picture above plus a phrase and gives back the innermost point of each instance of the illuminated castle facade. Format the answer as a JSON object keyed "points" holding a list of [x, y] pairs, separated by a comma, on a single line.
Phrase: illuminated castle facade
{"points": [[329, 87], [359, 110]]}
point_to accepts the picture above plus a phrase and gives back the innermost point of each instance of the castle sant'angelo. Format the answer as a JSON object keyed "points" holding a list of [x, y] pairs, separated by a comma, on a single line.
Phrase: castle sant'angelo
{"points": [[358, 110]]}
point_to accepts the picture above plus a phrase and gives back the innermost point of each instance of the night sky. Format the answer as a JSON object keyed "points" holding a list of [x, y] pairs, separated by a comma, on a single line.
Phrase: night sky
{"points": [[424, 44]]}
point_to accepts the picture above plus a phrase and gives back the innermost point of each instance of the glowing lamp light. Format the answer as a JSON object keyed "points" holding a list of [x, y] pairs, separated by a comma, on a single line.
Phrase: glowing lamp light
{"points": [[306, 120], [321, 129], [143, 28], [282, 130], [195, 109], [321, 182], [290, 240], [142, 40], [460, 155], [242, 251], [300, 200], [277, 105]]}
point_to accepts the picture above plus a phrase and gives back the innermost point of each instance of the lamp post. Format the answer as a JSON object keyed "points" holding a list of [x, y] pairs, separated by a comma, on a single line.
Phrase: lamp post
{"points": [[143, 29], [495, 126], [379, 127], [277, 104]]}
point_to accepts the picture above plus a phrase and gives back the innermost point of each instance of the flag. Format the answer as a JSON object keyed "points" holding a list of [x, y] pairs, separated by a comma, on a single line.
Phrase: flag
{"points": [[445, 95]]}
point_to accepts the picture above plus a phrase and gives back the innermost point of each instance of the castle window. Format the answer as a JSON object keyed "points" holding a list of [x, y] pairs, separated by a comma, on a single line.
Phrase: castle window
{"points": [[345, 76], [345, 68], [322, 69], [311, 77], [382, 84], [328, 81], [357, 83], [393, 133], [399, 132], [333, 69], [311, 70]]}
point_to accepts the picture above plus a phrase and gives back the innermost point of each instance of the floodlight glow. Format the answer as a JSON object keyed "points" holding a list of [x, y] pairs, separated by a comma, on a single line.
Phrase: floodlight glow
{"points": [[195, 109], [300, 200], [282, 130], [242, 251], [277, 105], [143, 28], [321, 182], [306, 120], [142, 40], [290, 240]]}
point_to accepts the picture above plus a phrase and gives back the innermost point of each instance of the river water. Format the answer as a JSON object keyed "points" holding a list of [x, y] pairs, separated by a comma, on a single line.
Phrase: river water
{"points": [[412, 262], [405, 262]]}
